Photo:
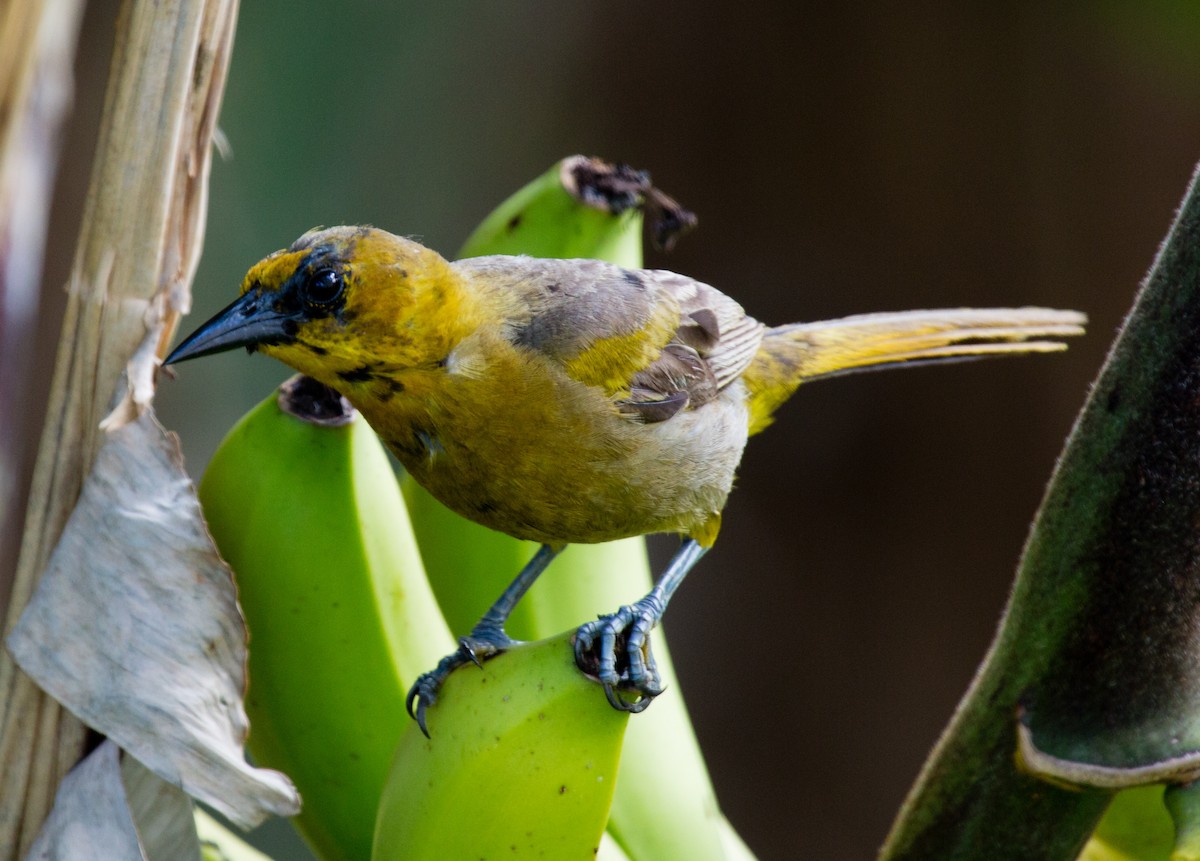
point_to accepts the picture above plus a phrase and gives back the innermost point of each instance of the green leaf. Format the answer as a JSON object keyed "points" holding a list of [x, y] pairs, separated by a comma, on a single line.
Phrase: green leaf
{"points": [[1093, 672]]}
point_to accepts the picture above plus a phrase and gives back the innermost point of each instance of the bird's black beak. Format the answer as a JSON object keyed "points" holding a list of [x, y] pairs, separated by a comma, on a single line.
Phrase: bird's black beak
{"points": [[251, 320]]}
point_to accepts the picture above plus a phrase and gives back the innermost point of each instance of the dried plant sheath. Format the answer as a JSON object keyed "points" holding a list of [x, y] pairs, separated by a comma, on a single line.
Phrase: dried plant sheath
{"points": [[135, 628], [1095, 673], [37, 43], [109, 807], [92, 801], [138, 248]]}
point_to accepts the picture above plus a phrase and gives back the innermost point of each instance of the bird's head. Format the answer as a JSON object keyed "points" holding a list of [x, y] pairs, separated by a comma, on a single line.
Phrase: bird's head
{"points": [[340, 304]]}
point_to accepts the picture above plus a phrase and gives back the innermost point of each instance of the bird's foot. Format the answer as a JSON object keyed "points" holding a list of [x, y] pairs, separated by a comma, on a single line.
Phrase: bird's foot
{"points": [[475, 648], [616, 650]]}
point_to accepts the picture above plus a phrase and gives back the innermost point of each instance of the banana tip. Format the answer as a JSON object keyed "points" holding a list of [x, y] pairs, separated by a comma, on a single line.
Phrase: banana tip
{"points": [[614, 188]]}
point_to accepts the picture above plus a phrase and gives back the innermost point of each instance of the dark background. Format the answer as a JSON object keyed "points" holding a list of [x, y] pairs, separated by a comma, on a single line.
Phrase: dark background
{"points": [[842, 158]]}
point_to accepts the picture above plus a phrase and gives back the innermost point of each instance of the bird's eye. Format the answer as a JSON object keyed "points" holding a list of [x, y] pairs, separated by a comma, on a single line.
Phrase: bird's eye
{"points": [[323, 287]]}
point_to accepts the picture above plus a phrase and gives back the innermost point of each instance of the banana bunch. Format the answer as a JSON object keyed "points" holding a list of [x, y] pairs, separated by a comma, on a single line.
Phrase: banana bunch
{"points": [[343, 617]]}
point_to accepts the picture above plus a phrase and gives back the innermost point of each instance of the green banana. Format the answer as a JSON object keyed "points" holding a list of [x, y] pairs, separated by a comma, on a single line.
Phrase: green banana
{"points": [[465, 560], [1148, 823], [1136, 827], [664, 805], [580, 207], [303, 504], [732, 844], [1183, 804], [522, 765], [218, 843]]}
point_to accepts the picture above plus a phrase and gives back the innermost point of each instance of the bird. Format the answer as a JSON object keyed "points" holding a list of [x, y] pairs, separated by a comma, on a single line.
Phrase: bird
{"points": [[567, 401]]}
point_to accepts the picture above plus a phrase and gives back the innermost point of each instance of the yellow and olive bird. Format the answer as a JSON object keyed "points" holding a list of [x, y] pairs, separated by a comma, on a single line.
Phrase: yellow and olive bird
{"points": [[567, 400]]}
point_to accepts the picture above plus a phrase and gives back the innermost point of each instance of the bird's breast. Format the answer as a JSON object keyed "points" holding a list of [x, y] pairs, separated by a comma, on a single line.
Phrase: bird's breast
{"points": [[532, 453]]}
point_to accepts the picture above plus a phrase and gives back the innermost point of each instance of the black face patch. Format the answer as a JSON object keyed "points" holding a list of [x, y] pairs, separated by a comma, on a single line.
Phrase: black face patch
{"points": [[316, 289]]}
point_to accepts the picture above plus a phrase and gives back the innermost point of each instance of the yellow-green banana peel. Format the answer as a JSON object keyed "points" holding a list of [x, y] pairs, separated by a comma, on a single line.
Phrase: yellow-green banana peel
{"points": [[522, 764], [340, 614], [563, 213]]}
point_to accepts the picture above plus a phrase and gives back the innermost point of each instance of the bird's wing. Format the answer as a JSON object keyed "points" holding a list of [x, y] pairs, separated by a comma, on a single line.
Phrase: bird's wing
{"points": [[655, 341]]}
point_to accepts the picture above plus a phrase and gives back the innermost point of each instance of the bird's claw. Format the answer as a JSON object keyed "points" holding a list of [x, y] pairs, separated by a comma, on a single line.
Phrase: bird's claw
{"points": [[616, 650], [473, 649], [621, 704]]}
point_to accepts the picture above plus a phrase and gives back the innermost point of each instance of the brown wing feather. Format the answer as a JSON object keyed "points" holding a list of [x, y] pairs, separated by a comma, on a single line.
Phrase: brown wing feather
{"points": [[713, 324], [657, 341]]}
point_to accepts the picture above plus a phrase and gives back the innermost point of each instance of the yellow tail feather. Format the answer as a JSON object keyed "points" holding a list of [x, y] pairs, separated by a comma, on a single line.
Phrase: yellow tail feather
{"points": [[794, 354]]}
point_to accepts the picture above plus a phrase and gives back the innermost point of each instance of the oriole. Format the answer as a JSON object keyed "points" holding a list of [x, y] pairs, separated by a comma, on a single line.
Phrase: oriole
{"points": [[566, 400]]}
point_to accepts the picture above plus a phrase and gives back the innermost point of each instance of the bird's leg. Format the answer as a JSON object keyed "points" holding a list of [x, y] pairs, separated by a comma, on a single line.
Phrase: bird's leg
{"points": [[596, 643], [486, 639]]}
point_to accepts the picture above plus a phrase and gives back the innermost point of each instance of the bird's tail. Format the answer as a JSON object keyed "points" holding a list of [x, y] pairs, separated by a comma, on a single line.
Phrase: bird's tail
{"points": [[794, 354]]}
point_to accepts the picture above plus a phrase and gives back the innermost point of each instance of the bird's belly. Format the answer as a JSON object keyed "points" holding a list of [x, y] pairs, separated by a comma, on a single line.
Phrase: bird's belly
{"points": [[554, 479]]}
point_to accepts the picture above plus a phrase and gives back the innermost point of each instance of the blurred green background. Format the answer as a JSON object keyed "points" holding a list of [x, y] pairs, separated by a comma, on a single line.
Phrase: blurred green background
{"points": [[842, 158]]}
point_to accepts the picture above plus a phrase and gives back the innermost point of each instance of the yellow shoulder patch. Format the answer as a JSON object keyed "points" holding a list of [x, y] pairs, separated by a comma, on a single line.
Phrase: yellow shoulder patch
{"points": [[610, 362]]}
